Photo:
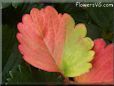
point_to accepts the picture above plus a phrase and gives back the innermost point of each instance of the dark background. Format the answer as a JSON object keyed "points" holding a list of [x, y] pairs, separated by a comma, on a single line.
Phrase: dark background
{"points": [[99, 23]]}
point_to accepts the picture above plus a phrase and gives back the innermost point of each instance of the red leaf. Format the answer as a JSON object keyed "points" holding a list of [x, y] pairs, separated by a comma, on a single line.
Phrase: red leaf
{"points": [[41, 36], [102, 71]]}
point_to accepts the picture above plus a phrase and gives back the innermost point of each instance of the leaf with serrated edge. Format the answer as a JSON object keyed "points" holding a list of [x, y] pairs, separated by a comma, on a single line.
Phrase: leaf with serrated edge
{"points": [[49, 41], [102, 70]]}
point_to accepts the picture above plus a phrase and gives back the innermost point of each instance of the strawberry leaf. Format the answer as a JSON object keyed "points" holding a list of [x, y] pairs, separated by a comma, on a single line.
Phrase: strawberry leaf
{"points": [[49, 41], [102, 71]]}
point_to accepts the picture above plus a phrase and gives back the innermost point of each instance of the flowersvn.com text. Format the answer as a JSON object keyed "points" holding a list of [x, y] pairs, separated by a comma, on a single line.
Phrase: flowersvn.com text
{"points": [[98, 4]]}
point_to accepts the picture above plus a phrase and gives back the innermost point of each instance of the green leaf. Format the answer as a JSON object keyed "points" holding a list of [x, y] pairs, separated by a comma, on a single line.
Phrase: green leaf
{"points": [[101, 16], [20, 75], [93, 31], [8, 41], [10, 55], [79, 14], [47, 78], [102, 20], [25, 74], [77, 53]]}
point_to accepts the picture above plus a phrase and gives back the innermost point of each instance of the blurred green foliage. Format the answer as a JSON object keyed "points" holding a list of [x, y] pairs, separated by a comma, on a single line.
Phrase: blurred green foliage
{"points": [[99, 22]]}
